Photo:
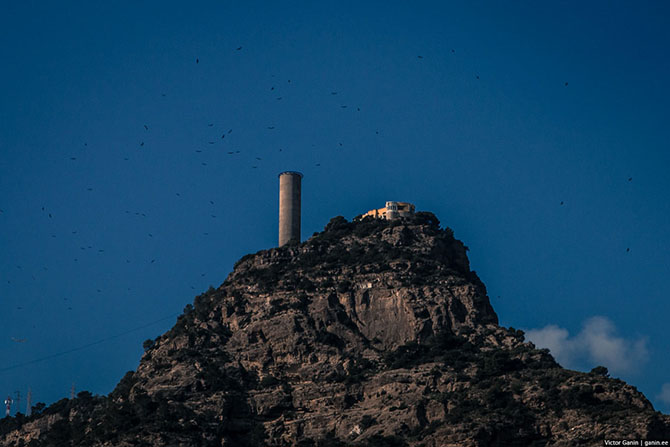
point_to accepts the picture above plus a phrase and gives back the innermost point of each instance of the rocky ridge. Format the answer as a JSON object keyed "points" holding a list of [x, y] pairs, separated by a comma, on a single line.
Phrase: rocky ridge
{"points": [[370, 333]]}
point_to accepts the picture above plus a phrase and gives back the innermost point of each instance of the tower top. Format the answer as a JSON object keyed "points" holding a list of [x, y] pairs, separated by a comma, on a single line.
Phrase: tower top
{"points": [[291, 173]]}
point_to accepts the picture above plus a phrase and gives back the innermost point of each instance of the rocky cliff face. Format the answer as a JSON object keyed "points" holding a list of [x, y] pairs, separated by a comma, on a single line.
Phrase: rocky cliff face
{"points": [[370, 333]]}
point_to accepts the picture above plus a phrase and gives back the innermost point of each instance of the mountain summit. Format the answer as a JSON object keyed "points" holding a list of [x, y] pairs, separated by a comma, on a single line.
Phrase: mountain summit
{"points": [[370, 333]]}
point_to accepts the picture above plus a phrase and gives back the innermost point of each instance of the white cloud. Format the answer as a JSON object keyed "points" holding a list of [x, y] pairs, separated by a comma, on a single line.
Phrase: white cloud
{"points": [[664, 395], [596, 344]]}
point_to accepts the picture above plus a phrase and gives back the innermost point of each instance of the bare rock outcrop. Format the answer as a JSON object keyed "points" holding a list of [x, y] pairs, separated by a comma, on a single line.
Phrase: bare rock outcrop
{"points": [[370, 333]]}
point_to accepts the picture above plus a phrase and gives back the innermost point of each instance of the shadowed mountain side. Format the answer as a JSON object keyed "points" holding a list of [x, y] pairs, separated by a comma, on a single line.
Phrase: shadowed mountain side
{"points": [[371, 333]]}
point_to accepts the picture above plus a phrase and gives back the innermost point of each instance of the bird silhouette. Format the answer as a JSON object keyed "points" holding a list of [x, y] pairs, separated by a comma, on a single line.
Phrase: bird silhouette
{"points": [[627, 250], [146, 127], [197, 61], [142, 143], [271, 127], [561, 203], [239, 48], [630, 179], [210, 125], [420, 57], [566, 84]]}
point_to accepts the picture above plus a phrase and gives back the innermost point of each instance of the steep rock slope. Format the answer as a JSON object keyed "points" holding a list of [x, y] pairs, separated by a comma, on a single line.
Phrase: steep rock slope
{"points": [[371, 333]]}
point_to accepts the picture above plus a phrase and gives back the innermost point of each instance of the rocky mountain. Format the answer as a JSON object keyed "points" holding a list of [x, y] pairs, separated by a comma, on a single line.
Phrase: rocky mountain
{"points": [[370, 333]]}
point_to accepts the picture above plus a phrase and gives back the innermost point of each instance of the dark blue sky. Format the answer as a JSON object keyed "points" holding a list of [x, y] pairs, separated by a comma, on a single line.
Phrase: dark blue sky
{"points": [[512, 109]]}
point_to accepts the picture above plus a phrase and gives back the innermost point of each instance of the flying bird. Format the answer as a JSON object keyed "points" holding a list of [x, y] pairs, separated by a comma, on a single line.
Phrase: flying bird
{"points": [[197, 61], [627, 250], [271, 127], [561, 202], [566, 84], [239, 48], [210, 125], [630, 179], [142, 143], [146, 127], [420, 57], [19, 340]]}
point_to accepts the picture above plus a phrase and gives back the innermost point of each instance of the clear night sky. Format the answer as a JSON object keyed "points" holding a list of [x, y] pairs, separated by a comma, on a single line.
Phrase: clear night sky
{"points": [[538, 131]]}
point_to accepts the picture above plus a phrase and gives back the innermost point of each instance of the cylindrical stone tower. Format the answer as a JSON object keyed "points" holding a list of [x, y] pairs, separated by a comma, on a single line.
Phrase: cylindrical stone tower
{"points": [[289, 207]]}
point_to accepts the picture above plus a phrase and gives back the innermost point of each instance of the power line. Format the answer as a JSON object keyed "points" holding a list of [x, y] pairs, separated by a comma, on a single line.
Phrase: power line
{"points": [[87, 345]]}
